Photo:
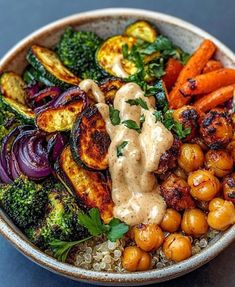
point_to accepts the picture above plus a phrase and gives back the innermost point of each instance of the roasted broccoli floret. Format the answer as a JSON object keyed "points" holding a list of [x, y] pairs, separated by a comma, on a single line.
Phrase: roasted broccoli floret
{"points": [[76, 50], [24, 201], [60, 221]]}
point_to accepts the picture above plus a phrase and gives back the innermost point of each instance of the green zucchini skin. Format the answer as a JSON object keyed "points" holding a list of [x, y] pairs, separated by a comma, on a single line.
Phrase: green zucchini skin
{"points": [[14, 98], [22, 117], [31, 76], [89, 140], [32, 59], [45, 69]]}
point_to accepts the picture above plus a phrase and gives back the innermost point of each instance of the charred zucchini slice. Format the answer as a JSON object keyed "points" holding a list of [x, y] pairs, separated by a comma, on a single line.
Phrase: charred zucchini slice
{"points": [[61, 118], [14, 95], [90, 141], [109, 87], [91, 188], [142, 30], [109, 56], [31, 76], [48, 64]]}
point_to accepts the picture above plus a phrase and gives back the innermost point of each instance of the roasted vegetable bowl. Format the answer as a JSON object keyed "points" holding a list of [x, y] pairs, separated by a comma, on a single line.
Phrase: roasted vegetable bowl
{"points": [[117, 148]]}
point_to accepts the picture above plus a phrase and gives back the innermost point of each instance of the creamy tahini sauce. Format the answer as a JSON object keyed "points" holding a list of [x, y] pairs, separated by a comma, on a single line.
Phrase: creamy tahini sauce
{"points": [[135, 191], [117, 67]]}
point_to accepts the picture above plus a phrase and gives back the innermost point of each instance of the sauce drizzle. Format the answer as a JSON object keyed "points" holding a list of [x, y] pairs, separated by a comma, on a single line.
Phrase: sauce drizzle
{"points": [[135, 191]]}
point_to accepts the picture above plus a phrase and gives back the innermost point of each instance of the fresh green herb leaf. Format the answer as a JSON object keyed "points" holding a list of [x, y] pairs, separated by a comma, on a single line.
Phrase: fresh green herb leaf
{"points": [[117, 230], [61, 249], [130, 124], [120, 148], [180, 131], [138, 102], [142, 119], [166, 117], [91, 221], [158, 115], [114, 116]]}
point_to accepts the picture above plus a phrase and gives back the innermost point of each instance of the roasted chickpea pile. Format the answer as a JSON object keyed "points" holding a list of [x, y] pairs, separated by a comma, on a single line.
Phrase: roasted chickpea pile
{"points": [[197, 182]]}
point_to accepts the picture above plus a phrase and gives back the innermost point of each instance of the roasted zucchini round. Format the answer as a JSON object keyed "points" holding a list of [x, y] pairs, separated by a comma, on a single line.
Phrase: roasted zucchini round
{"points": [[89, 140]]}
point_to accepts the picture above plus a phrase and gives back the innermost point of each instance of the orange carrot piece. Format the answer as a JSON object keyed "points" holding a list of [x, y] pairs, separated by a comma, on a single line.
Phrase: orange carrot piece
{"points": [[209, 82], [214, 99], [212, 65], [193, 68], [172, 71]]}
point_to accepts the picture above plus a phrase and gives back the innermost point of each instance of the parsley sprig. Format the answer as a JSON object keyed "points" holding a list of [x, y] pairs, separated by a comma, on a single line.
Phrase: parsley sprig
{"points": [[61, 249], [114, 116], [130, 124], [138, 102], [166, 117], [114, 230], [147, 72]]}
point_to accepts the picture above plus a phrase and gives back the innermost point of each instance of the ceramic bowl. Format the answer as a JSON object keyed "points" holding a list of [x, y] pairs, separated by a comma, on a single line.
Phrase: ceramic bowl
{"points": [[109, 22]]}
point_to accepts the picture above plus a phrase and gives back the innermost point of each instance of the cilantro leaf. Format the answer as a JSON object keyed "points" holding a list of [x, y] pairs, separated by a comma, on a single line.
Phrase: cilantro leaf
{"points": [[130, 124], [120, 148], [114, 116], [138, 102]]}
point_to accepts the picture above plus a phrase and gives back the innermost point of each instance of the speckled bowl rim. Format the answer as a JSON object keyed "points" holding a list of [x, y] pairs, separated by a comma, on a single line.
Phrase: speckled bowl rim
{"points": [[139, 278]]}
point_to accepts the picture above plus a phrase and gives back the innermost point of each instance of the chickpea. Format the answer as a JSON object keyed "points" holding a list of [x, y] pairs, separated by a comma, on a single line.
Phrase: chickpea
{"points": [[204, 185], [177, 247], [135, 259], [187, 116], [216, 128], [148, 236], [231, 148], [191, 157], [219, 161], [171, 220], [221, 215], [229, 187], [194, 222]]}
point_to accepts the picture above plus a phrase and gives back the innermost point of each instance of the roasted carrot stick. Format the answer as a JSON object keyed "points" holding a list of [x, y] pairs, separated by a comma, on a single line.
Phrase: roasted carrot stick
{"points": [[193, 68], [214, 99], [207, 83], [172, 70], [212, 65]]}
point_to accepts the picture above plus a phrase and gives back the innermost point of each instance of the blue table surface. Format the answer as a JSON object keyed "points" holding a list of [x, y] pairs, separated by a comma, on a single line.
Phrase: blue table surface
{"points": [[19, 18]]}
